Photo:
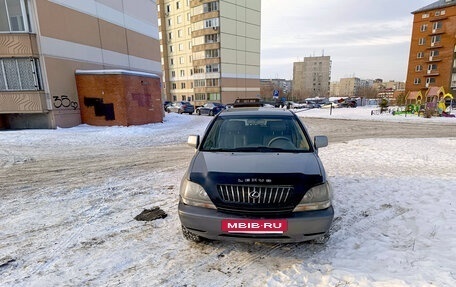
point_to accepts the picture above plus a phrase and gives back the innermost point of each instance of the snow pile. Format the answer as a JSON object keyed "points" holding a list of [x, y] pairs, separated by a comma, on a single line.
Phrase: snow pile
{"points": [[69, 198]]}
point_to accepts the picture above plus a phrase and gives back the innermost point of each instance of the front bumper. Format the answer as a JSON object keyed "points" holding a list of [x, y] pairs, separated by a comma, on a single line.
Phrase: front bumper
{"points": [[302, 226]]}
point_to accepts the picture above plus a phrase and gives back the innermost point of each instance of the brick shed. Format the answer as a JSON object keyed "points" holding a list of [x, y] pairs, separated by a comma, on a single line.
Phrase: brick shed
{"points": [[119, 97]]}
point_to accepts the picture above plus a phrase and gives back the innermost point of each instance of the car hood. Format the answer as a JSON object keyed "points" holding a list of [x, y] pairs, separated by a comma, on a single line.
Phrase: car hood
{"points": [[253, 162], [216, 171]]}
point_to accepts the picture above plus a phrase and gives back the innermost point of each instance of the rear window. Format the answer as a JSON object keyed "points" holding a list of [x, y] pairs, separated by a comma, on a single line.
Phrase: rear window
{"points": [[256, 134]]}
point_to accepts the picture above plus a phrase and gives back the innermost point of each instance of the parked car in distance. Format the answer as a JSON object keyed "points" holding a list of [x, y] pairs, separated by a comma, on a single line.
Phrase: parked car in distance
{"points": [[181, 107], [166, 104], [294, 105], [330, 105], [256, 176], [210, 109]]}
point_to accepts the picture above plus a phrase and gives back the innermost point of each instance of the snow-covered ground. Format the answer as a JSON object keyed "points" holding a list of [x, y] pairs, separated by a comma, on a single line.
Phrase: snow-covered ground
{"points": [[69, 198]]}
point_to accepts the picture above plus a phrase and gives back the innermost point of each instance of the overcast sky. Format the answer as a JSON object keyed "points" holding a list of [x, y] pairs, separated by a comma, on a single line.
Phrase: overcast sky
{"points": [[367, 39]]}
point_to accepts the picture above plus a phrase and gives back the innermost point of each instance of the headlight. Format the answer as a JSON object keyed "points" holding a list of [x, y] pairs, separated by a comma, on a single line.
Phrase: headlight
{"points": [[318, 197], [195, 195]]}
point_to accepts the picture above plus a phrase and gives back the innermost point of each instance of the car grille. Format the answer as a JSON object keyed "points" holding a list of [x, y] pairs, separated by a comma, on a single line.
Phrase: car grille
{"points": [[264, 195]]}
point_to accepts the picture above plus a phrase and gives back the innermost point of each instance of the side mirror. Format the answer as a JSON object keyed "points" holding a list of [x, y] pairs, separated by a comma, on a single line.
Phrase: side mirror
{"points": [[320, 141], [193, 141]]}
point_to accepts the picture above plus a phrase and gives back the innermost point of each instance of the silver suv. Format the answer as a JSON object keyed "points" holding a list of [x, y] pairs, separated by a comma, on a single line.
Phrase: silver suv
{"points": [[255, 176]]}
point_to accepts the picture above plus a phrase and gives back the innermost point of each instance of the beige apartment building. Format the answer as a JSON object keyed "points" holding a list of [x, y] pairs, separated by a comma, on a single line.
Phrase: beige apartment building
{"points": [[45, 41], [210, 49], [312, 77]]}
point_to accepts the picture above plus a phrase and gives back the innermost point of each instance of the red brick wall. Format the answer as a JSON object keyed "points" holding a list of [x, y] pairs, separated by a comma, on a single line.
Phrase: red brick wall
{"points": [[119, 99]]}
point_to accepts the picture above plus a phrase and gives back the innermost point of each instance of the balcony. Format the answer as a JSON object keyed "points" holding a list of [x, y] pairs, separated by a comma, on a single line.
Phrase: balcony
{"points": [[431, 73], [433, 59], [23, 102], [18, 45]]}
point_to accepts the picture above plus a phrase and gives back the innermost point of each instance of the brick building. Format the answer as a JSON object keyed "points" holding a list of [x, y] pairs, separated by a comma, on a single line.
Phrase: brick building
{"points": [[432, 53]]}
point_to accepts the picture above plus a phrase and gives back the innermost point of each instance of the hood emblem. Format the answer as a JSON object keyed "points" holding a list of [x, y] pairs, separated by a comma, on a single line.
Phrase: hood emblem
{"points": [[254, 194]]}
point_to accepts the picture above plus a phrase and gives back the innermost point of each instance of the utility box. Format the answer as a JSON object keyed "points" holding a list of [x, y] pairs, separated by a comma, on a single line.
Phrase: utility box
{"points": [[119, 97]]}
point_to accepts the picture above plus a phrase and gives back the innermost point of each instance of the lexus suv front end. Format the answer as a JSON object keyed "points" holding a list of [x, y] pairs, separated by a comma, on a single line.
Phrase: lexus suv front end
{"points": [[256, 176]]}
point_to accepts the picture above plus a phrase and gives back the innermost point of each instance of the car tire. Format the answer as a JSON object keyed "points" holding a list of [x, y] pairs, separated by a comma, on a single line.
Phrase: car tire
{"points": [[190, 113], [190, 236]]}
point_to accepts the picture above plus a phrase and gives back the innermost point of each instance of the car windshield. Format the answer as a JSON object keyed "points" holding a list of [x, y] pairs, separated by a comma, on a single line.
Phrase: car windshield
{"points": [[256, 134]]}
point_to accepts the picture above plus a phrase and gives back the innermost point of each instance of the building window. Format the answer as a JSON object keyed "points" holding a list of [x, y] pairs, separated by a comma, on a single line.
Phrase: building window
{"points": [[432, 67], [171, 49], [179, 19], [213, 68], [182, 73], [211, 38], [434, 53], [425, 15], [430, 80], [420, 55], [211, 23], [424, 27], [212, 82], [181, 47], [179, 33], [168, 8], [211, 6], [200, 97], [437, 25], [181, 60], [212, 53], [200, 83], [177, 5], [418, 68], [182, 85], [198, 70], [421, 41], [171, 61], [174, 86], [13, 16], [170, 22], [173, 74], [20, 74], [417, 81], [435, 39], [214, 97]]}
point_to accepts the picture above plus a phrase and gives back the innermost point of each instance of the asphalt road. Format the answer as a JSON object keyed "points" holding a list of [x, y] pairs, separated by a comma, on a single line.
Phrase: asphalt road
{"points": [[345, 130]]}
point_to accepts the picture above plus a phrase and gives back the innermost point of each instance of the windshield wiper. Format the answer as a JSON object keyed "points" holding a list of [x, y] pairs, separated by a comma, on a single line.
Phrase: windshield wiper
{"points": [[251, 149]]}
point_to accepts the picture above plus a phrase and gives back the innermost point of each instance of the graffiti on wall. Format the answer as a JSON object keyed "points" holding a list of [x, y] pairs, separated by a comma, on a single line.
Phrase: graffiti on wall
{"points": [[101, 109], [64, 102], [142, 99]]}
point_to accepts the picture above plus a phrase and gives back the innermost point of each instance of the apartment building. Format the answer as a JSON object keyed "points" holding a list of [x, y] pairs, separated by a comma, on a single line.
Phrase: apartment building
{"points": [[312, 77], [432, 53], [210, 49], [45, 41]]}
